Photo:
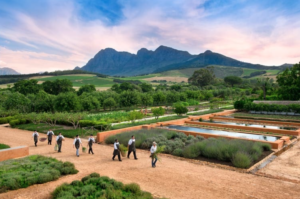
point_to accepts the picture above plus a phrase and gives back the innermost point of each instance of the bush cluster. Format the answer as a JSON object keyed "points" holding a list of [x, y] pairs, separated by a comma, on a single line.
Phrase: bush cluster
{"points": [[4, 146], [250, 106], [24, 172], [94, 186]]}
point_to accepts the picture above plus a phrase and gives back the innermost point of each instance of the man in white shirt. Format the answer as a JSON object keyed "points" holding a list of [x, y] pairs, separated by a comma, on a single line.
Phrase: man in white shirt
{"points": [[91, 140], [131, 147], [153, 156], [77, 143], [50, 134], [116, 150], [59, 140], [35, 136]]}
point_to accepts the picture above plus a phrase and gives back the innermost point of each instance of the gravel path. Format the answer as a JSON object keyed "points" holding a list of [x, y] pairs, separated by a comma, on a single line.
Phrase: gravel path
{"points": [[170, 179]]}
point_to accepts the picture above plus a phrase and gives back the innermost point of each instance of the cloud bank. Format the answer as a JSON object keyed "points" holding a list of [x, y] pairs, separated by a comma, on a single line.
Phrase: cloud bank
{"points": [[53, 35]]}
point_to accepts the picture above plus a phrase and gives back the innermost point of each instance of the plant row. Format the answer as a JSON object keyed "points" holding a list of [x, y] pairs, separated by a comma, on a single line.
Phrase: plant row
{"points": [[240, 153]]}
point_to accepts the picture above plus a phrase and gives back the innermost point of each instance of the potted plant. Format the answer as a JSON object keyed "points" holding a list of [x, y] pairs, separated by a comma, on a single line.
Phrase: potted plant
{"points": [[83, 149], [123, 149]]}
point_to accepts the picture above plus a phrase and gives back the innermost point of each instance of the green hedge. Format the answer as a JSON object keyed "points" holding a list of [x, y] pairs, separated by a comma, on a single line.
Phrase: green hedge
{"points": [[15, 122], [5, 120], [94, 186], [36, 169], [4, 146], [250, 106]]}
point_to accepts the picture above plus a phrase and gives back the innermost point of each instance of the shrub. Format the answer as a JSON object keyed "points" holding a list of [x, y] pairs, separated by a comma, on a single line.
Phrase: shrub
{"points": [[133, 187], [200, 119], [134, 115], [241, 160], [44, 177], [158, 112], [13, 123], [95, 175], [180, 109], [178, 152], [3, 120], [4, 146]]}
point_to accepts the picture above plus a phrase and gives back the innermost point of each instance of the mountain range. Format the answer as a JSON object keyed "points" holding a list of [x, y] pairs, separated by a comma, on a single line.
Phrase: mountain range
{"points": [[8, 71], [111, 62]]}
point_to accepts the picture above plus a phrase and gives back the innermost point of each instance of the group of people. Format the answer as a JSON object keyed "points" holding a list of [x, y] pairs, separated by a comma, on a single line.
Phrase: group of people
{"points": [[59, 138], [77, 143], [131, 149]]}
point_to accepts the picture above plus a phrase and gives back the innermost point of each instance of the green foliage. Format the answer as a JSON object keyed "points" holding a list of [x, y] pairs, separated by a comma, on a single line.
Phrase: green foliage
{"points": [[94, 186], [178, 152], [180, 109], [17, 101], [135, 115], [26, 87], [88, 88], [89, 102], [4, 146], [109, 103], [232, 80], [67, 102], [24, 172], [158, 112], [58, 86], [202, 77], [241, 160], [129, 98]]}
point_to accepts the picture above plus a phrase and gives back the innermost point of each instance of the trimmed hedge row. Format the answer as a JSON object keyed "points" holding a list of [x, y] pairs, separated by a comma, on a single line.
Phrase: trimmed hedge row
{"points": [[250, 106], [36, 169], [94, 186]]}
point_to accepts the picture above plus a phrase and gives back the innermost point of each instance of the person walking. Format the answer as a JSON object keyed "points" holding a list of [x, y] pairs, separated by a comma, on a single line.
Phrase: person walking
{"points": [[153, 156], [35, 136], [116, 150], [77, 142], [131, 147], [90, 143], [50, 134], [59, 140]]}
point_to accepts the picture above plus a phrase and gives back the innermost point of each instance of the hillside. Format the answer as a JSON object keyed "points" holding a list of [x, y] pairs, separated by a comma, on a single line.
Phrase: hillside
{"points": [[111, 62], [8, 71]]}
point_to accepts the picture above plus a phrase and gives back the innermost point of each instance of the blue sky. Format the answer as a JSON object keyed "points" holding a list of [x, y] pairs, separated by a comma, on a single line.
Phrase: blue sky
{"points": [[47, 35]]}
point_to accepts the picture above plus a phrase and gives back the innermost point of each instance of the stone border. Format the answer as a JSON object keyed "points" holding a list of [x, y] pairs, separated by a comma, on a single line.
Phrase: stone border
{"points": [[15, 152]]}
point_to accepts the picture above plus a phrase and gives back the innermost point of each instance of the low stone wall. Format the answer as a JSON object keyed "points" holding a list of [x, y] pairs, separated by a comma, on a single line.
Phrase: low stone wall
{"points": [[279, 131], [275, 102], [15, 152]]}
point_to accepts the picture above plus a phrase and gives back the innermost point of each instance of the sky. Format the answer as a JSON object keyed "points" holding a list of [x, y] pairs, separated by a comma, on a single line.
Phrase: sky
{"points": [[49, 35]]}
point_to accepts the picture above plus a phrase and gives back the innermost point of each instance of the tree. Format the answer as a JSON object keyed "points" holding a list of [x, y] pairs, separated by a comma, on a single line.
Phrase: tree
{"points": [[172, 97], [146, 87], [158, 112], [135, 115], [89, 102], [74, 118], [159, 97], [264, 83], [202, 77], [27, 86], [17, 101], [180, 109], [67, 102], [175, 87], [58, 86], [129, 98], [86, 88], [109, 102], [289, 83], [146, 99], [42, 102], [232, 80]]}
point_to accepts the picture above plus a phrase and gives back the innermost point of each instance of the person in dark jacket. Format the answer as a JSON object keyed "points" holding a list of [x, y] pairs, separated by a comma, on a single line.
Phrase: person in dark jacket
{"points": [[77, 142], [50, 134], [131, 147], [116, 150], [35, 136], [59, 140], [90, 143]]}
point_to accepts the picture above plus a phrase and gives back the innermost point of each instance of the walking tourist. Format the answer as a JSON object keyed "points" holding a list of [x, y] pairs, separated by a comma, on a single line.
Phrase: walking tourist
{"points": [[131, 147], [50, 134], [77, 142], [59, 140], [35, 136], [116, 150], [153, 156], [90, 144]]}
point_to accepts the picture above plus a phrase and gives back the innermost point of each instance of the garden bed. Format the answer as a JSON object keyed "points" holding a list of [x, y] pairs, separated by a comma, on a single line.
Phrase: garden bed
{"points": [[24, 172], [94, 186], [287, 118], [240, 153]]}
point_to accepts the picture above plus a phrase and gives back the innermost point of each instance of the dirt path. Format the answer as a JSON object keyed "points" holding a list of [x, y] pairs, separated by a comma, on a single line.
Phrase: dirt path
{"points": [[287, 165], [171, 178]]}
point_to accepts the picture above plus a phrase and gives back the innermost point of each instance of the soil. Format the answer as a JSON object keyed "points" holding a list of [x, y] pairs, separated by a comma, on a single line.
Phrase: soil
{"points": [[171, 178]]}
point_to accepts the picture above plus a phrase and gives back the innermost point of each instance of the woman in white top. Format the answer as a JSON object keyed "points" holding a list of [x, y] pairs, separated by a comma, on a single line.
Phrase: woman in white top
{"points": [[35, 136], [77, 142], [153, 156]]}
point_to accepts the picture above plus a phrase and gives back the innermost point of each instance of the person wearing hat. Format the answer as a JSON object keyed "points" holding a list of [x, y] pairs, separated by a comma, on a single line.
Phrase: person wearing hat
{"points": [[50, 134], [35, 136], [153, 156], [90, 143], [116, 150], [131, 147], [77, 142], [59, 140]]}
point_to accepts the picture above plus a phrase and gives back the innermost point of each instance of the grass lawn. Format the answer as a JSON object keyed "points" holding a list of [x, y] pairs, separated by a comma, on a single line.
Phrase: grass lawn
{"points": [[66, 131], [4, 146], [248, 71], [24, 172]]}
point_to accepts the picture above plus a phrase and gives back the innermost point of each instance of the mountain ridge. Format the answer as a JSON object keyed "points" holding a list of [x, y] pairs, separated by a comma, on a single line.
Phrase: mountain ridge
{"points": [[111, 62], [8, 71]]}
